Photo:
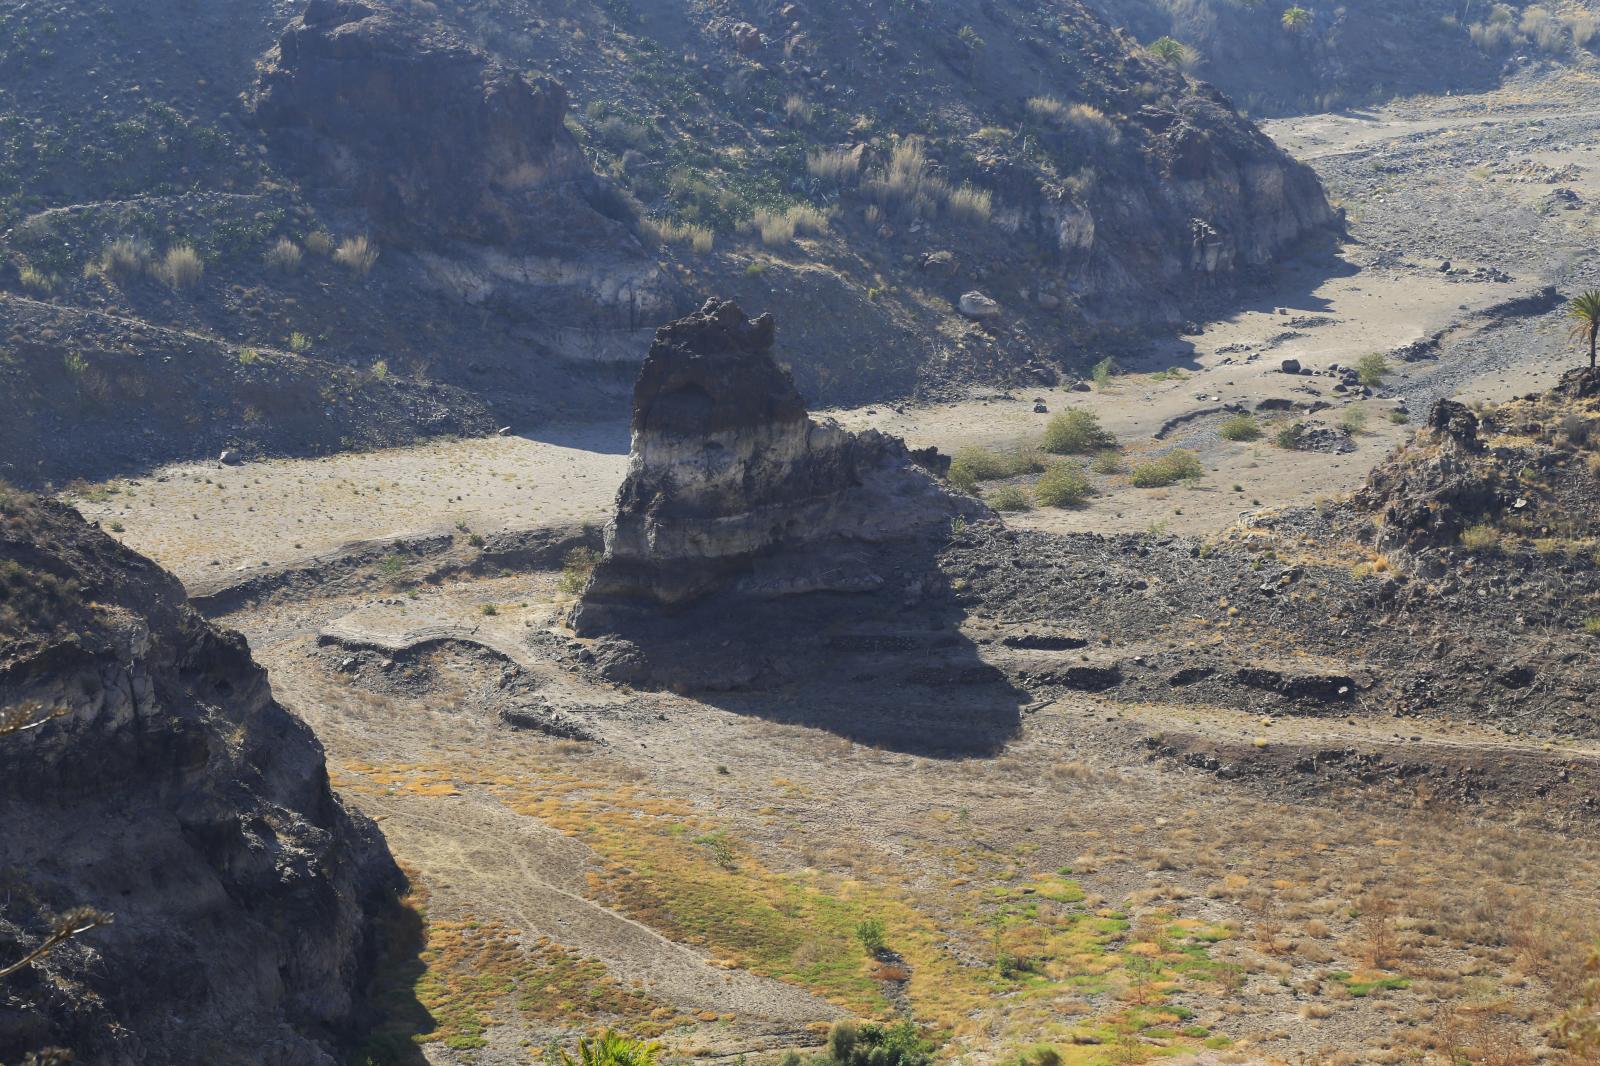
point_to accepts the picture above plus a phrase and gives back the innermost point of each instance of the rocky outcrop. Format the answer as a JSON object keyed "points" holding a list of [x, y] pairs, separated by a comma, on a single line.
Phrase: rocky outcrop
{"points": [[733, 491], [1522, 471], [462, 160], [176, 794], [1434, 487]]}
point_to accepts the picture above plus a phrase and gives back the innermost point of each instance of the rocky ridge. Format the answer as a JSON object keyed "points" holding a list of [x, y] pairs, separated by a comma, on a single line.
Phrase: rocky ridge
{"points": [[173, 792]]}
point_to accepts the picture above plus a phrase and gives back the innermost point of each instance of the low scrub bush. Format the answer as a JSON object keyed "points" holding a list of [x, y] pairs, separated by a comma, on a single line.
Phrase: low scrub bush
{"points": [[1240, 427], [575, 570], [1010, 498], [1104, 371], [871, 1044], [1482, 537], [1076, 431], [1063, 485], [1371, 369], [976, 463], [1177, 465], [35, 280], [1107, 462]]}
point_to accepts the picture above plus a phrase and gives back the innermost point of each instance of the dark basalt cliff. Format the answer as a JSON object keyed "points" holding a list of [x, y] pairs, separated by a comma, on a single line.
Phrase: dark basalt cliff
{"points": [[175, 793], [430, 136], [734, 492], [461, 160]]}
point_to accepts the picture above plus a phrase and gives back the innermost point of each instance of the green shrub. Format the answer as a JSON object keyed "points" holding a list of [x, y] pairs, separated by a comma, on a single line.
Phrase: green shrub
{"points": [[1063, 485], [1240, 427], [575, 570], [1371, 369], [1107, 462], [35, 280], [1103, 371], [1010, 498], [1591, 625], [1399, 418], [1482, 537], [976, 463], [1177, 465], [1354, 420], [870, 932], [1076, 432], [1288, 438]]}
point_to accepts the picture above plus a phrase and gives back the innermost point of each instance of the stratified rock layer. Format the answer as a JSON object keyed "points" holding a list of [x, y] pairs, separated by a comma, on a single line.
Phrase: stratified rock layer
{"points": [[732, 489], [175, 793]]}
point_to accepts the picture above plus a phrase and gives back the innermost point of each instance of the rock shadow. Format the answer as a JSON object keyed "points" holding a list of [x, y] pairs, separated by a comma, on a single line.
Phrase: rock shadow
{"points": [[889, 668]]}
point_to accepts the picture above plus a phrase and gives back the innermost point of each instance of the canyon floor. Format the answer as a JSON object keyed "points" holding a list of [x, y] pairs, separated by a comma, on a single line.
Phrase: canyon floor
{"points": [[698, 869]]}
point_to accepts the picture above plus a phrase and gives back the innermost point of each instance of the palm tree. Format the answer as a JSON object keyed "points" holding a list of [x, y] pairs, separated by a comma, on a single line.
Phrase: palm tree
{"points": [[1585, 314], [1167, 49], [1296, 19], [611, 1048]]}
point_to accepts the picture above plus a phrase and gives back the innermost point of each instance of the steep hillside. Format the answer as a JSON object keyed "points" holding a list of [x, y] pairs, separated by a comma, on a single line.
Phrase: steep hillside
{"points": [[392, 205], [171, 791], [1283, 58]]}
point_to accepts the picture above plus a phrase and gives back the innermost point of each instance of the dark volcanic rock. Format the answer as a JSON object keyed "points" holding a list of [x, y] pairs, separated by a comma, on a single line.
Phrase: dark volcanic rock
{"points": [[429, 135], [455, 156], [177, 794], [733, 489], [1437, 485]]}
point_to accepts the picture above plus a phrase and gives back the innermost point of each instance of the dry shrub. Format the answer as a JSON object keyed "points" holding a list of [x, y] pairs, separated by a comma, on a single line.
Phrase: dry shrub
{"points": [[1379, 944], [665, 231], [284, 256], [356, 254], [125, 257], [779, 227], [182, 267], [840, 165]]}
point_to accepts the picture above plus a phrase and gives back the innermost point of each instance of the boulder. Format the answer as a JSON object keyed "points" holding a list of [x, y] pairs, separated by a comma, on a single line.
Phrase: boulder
{"points": [[978, 306], [1291, 366]]}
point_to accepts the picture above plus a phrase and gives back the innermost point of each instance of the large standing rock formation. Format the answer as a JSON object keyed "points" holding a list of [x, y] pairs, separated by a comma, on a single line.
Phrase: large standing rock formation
{"points": [[176, 794], [459, 159], [733, 493]]}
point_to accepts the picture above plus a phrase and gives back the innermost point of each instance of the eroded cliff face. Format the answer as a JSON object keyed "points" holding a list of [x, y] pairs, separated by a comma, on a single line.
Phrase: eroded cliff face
{"points": [[175, 793], [460, 160], [732, 489]]}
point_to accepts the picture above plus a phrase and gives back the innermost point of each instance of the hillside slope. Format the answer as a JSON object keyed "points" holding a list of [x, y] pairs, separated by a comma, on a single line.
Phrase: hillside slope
{"points": [[173, 792], [1326, 57], [392, 204]]}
